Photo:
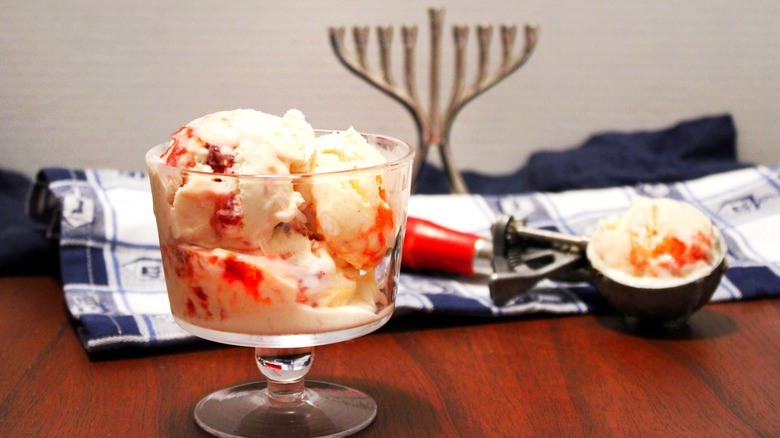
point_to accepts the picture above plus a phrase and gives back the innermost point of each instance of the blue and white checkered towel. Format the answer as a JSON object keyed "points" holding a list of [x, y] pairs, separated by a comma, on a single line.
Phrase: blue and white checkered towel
{"points": [[113, 278]]}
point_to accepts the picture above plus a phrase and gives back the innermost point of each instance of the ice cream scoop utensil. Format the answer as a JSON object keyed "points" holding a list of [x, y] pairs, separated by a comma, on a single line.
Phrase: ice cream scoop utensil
{"points": [[432, 247], [523, 256], [515, 259], [509, 232], [519, 257]]}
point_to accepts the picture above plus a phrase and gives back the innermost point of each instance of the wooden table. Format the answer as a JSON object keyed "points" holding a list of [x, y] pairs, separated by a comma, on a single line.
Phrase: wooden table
{"points": [[431, 376]]}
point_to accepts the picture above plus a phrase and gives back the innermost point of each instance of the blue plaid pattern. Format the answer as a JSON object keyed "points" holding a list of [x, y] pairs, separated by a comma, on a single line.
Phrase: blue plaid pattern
{"points": [[114, 287]]}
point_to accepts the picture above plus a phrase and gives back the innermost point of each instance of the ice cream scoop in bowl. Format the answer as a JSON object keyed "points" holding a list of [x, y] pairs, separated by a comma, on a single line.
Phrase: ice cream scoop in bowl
{"points": [[659, 263], [668, 305]]}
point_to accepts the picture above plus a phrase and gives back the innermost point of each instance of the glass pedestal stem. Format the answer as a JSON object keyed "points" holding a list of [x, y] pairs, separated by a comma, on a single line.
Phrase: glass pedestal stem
{"points": [[284, 369]]}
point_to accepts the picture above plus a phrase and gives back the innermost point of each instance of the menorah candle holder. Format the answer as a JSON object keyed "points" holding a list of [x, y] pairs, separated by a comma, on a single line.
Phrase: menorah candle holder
{"points": [[434, 126]]}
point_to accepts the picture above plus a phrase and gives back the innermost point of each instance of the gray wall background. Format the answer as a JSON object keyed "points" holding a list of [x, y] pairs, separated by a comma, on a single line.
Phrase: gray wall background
{"points": [[95, 84]]}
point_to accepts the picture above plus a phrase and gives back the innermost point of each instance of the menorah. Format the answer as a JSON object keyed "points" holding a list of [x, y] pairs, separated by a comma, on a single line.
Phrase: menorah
{"points": [[433, 126]]}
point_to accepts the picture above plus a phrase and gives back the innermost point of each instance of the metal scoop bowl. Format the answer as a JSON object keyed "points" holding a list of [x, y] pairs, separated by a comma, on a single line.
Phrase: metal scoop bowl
{"points": [[523, 256], [669, 306]]}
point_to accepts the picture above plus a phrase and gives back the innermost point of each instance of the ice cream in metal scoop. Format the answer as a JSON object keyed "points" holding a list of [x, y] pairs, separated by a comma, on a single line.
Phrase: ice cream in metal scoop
{"points": [[660, 261]]}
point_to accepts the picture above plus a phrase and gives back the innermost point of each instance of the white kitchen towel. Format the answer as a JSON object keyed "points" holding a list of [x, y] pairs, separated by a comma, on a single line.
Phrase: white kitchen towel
{"points": [[113, 279]]}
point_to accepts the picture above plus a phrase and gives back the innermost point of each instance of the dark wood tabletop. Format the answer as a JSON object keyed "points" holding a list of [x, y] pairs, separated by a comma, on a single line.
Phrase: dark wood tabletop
{"points": [[438, 376]]}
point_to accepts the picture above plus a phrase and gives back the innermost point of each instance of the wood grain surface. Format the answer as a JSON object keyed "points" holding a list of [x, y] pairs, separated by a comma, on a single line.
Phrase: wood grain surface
{"points": [[436, 376]]}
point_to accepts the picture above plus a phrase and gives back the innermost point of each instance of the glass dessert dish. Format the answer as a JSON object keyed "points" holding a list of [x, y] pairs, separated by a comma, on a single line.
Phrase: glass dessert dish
{"points": [[283, 263]]}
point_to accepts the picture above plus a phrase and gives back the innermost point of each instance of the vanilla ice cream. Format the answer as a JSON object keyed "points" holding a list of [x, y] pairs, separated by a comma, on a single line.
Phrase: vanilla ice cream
{"points": [[355, 221], [658, 242], [267, 228]]}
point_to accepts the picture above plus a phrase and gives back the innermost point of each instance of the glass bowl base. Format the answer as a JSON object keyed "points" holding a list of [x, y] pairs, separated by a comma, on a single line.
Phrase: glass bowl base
{"points": [[246, 410], [287, 340]]}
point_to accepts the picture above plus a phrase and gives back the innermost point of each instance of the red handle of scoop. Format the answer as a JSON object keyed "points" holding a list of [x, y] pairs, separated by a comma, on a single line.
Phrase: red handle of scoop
{"points": [[431, 247]]}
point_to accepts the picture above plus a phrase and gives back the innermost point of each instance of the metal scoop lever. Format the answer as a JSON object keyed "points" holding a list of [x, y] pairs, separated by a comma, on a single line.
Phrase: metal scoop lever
{"points": [[524, 256], [515, 259]]}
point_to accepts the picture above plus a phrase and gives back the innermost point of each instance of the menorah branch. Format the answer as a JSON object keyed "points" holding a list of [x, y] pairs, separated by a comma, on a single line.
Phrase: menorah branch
{"points": [[357, 65]]}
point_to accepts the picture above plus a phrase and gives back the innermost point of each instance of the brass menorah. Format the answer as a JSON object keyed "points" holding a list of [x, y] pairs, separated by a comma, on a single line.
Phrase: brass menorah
{"points": [[434, 127]]}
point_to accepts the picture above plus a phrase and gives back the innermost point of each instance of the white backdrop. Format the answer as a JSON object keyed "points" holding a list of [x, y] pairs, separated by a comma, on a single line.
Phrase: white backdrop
{"points": [[95, 84]]}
